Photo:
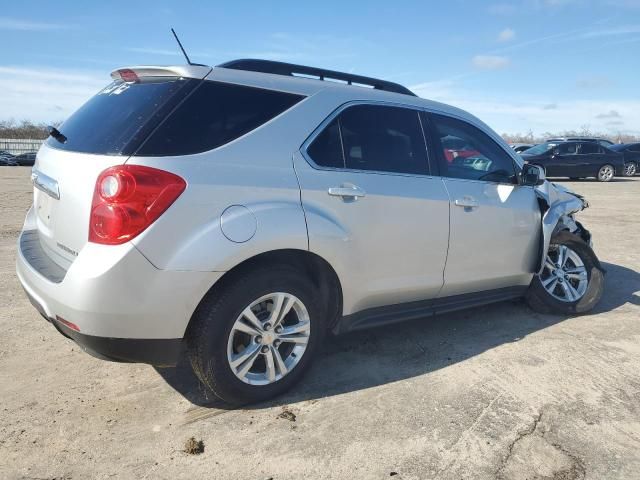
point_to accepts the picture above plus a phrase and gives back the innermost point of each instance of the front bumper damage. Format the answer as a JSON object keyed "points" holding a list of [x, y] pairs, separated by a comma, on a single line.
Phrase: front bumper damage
{"points": [[558, 205]]}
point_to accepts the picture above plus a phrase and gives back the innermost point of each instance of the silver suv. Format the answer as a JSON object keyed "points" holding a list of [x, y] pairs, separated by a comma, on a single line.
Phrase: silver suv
{"points": [[243, 211]]}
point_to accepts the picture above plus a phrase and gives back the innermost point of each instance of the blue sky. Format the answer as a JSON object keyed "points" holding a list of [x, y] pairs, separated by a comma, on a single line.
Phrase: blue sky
{"points": [[545, 65]]}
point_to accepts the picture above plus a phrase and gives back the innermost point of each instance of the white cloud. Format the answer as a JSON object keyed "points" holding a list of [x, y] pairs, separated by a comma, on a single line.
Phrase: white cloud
{"points": [[610, 114], [7, 23], [154, 51], [45, 94], [506, 35], [490, 62], [502, 9], [521, 113]]}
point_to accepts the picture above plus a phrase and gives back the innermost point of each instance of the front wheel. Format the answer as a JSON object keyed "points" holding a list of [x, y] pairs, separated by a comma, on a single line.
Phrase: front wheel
{"points": [[630, 169], [254, 339], [571, 281], [606, 173]]}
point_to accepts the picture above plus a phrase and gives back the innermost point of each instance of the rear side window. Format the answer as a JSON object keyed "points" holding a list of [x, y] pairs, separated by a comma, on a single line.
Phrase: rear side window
{"points": [[567, 149], [468, 153], [213, 115], [326, 149], [119, 117], [373, 137], [589, 147]]}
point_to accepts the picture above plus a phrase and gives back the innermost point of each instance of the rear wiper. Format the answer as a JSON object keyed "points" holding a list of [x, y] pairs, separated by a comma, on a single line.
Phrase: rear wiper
{"points": [[55, 133]]}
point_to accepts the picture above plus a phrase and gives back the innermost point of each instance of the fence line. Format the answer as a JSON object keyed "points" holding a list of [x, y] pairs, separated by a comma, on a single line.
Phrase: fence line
{"points": [[17, 146]]}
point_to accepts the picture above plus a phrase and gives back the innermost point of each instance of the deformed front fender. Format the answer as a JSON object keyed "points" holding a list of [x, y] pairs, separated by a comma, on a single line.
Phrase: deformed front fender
{"points": [[558, 204]]}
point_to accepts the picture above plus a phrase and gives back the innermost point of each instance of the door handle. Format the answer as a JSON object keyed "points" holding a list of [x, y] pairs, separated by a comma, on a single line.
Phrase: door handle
{"points": [[347, 192], [466, 202]]}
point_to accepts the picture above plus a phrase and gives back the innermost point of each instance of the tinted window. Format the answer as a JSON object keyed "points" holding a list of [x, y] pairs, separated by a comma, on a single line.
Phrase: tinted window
{"points": [[214, 114], [118, 118], [588, 148], [567, 149], [471, 154], [326, 149], [382, 138]]}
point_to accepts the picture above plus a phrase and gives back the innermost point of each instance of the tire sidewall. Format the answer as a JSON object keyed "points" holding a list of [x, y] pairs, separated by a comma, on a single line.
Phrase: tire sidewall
{"points": [[214, 322], [595, 277]]}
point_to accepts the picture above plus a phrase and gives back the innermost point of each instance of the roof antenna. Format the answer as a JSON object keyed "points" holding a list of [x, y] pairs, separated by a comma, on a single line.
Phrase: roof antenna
{"points": [[181, 47]]}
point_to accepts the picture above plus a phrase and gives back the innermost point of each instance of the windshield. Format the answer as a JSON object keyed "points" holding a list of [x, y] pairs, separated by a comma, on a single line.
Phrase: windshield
{"points": [[617, 148], [540, 149], [120, 116]]}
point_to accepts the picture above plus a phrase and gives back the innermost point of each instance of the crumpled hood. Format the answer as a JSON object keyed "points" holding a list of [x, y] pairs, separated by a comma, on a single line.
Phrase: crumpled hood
{"points": [[554, 194]]}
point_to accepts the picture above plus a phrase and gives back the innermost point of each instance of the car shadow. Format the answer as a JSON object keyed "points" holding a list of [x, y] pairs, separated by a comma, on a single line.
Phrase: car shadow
{"points": [[366, 359]]}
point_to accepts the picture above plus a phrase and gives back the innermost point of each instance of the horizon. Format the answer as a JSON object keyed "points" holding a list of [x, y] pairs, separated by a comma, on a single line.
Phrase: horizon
{"points": [[539, 65]]}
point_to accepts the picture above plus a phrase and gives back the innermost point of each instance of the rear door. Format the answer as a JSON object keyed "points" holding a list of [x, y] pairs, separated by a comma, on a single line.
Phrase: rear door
{"points": [[104, 132], [495, 222], [373, 208], [590, 158]]}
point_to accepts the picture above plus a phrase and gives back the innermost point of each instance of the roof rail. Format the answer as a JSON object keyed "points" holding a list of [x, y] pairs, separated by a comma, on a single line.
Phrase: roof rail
{"points": [[291, 70]]}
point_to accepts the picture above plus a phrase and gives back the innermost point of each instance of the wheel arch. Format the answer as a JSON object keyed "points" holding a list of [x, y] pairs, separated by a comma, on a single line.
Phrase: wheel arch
{"points": [[317, 268]]}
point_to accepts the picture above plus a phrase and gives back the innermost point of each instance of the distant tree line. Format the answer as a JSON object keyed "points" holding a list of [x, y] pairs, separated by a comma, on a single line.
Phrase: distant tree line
{"points": [[24, 129], [584, 131], [38, 131]]}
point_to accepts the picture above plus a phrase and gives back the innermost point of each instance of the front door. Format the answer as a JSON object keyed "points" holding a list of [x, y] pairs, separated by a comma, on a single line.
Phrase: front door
{"points": [[495, 223]]}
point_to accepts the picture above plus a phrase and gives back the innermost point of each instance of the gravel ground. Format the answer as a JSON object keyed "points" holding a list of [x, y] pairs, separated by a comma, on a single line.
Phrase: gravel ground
{"points": [[495, 393]]}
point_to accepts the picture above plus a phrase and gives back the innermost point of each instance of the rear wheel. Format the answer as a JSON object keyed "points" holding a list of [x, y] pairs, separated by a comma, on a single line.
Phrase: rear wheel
{"points": [[571, 281], [255, 339], [630, 169], [606, 173]]}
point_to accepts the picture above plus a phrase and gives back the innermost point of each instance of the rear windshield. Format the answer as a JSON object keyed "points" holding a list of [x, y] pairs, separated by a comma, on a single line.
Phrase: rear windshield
{"points": [[171, 116], [215, 114], [119, 117]]}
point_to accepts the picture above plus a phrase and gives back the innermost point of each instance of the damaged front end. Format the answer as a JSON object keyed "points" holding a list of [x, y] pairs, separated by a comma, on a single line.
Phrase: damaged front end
{"points": [[558, 205]]}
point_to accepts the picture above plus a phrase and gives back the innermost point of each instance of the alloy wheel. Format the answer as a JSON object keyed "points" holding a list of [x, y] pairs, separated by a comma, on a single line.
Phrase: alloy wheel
{"points": [[564, 275], [605, 173], [268, 339], [630, 169]]}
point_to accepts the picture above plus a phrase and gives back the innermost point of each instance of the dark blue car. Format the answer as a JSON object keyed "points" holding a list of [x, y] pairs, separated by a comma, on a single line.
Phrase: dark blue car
{"points": [[576, 160]]}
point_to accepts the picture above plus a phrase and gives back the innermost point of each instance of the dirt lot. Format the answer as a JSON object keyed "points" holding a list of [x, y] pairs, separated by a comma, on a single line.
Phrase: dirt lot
{"points": [[498, 392]]}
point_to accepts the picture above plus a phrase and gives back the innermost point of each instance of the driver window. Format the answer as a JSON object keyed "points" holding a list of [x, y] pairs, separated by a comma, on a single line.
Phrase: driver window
{"points": [[470, 154]]}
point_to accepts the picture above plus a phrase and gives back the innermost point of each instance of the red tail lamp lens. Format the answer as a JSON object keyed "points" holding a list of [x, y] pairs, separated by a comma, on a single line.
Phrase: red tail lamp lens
{"points": [[129, 198], [128, 75]]}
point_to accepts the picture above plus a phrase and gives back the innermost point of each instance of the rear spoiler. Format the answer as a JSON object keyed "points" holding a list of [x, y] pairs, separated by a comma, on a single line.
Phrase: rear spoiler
{"points": [[129, 74]]}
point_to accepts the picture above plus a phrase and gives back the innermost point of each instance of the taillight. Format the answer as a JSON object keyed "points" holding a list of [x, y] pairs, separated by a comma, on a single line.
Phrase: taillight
{"points": [[129, 198], [128, 75]]}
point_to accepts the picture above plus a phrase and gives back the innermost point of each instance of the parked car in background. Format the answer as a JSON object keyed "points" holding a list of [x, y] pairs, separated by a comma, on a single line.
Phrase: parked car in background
{"points": [[521, 147], [4, 154], [576, 160], [8, 162], [602, 141], [631, 152], [25, 159]]}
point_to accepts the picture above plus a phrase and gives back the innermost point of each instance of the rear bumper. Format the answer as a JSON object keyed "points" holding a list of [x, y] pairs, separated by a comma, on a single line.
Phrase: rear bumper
{"points": [[159, 352], [125, 308]]}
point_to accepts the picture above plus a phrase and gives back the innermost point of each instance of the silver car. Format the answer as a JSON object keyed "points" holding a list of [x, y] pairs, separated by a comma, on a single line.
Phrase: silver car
{"points": [[242, 212]]}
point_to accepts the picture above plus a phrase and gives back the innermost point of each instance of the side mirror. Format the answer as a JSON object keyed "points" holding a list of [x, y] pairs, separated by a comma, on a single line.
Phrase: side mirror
{"points": [[532, 175]]}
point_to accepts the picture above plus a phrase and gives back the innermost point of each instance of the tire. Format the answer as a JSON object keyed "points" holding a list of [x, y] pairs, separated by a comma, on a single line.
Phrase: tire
{"points": [[541, 300], [606, 173], [630, 169], [214, 341]]}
